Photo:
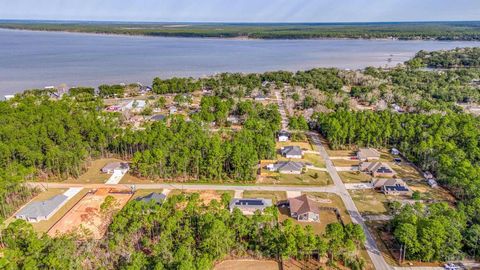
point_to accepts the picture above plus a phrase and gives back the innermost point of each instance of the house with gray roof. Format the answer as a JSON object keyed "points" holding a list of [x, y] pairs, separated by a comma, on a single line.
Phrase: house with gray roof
{"points": [[260, 97], [283, 136], [158, 198], [250, 206], [42, 210], [157, 117], [291, 152], [115, 166], [286, 167]]}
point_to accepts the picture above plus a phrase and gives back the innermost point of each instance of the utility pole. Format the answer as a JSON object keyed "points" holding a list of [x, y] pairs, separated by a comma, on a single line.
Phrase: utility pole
{"points": [[400, 256]]}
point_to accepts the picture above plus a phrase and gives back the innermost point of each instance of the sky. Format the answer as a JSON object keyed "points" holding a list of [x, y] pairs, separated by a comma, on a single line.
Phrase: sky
{"points": [[242, 10]]}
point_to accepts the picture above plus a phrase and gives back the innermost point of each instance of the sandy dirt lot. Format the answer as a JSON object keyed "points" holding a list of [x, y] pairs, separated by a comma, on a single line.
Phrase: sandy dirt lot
{"points": [[247, 264], [86, 214]]}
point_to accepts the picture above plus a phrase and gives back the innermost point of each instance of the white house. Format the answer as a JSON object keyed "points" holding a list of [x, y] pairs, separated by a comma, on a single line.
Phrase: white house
{"points": [[283, 136]]}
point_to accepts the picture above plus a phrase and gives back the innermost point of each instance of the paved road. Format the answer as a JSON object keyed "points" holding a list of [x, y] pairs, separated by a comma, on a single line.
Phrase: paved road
{"points": [[327, 189], [371, 246], [281, 109]]}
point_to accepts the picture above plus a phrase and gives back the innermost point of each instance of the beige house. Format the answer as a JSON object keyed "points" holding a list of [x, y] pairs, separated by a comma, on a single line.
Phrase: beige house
{"points": [[377, 169], [304, 209]]}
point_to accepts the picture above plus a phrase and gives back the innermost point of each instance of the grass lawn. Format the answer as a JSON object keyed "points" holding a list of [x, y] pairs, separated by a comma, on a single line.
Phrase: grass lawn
{"points": [[406, 171], [307, 178], [275, 196], [331, 200], [355, 177], [345, 163], [369, 201], [93, 175], [44, 226], [305, 145], [315, 159]]}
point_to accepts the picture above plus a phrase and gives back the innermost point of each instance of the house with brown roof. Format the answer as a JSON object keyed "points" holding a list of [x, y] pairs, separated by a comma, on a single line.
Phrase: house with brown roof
{"points": [[367, 154], [377, 169], [391, 186], [304, 209]]}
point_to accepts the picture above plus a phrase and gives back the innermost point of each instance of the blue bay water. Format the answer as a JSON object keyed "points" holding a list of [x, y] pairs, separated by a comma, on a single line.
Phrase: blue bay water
{"points": [[31, 59]]}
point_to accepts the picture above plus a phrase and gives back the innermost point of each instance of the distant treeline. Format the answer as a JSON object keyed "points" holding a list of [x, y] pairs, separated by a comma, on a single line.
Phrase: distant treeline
{"points": [[406, 31], [459, 57]]}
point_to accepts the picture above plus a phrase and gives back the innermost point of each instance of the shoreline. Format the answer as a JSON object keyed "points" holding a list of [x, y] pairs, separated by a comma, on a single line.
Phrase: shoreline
{"points": [[239, 38]]}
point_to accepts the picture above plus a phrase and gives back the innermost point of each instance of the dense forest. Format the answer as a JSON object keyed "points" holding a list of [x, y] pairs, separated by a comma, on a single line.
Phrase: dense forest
{"points": [[447, 145], [46, 138], [182, 233], [190, 151], [459, 57], [404, 30]]}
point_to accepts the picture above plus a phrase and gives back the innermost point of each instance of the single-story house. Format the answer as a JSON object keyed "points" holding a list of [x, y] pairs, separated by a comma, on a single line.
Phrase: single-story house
{"points": [[367, 154], [115, 166], [432, 182], [260, 97], [391, 186], [158, 198], [304, 209], [377, 169], [428, 175], [158, 117], [172, 110], [283, 136], [233, 119], [249, 206], [42, 210], [291, 152], [8, 97], [286, 167], [136, 104]]}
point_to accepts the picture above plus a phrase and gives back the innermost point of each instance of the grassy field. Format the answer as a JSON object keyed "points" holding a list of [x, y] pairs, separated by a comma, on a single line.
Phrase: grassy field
{"points": [[315, 159], [340, 153], [370, 201], [44, 226], [406, 171], [275, 196], [355, 177], [345, 163], [308, 178]]}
